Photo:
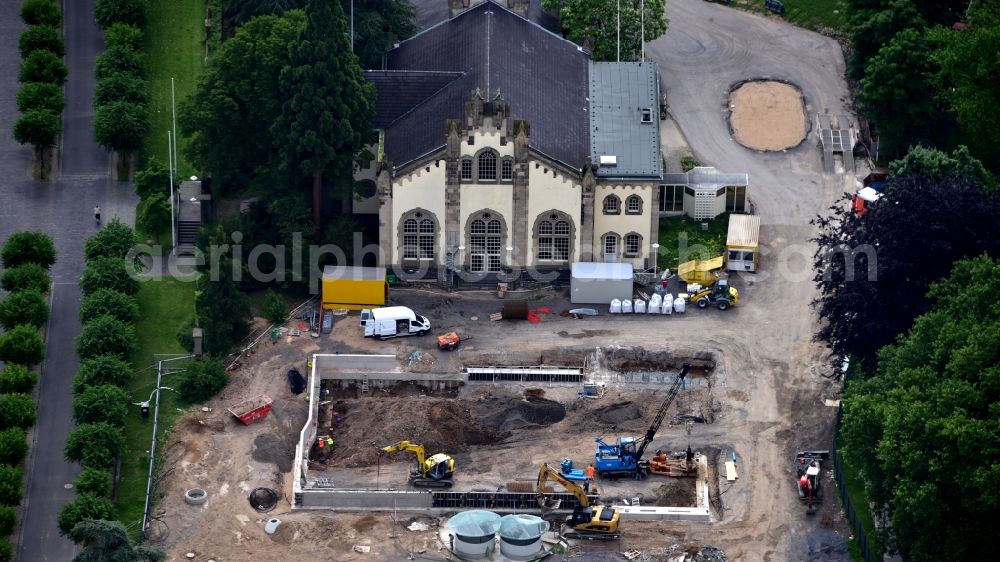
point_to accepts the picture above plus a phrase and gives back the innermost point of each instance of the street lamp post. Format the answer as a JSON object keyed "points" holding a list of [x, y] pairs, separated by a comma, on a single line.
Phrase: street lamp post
{"points": [[656, 256]]}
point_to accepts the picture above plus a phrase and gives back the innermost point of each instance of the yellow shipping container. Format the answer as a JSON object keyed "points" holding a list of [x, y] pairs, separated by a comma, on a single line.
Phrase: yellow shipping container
{"points": [[354, 288], [743, 243], [704, 272]]}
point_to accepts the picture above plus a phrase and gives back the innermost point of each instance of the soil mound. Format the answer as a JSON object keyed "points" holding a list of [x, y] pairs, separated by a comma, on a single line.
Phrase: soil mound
{"points": [[767, 115], [617, 413], [676, 492], [505, 414]]}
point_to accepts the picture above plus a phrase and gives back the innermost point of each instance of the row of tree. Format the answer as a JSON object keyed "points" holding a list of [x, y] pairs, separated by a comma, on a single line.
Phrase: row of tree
{"points": [[26, 257], [611, 30], [40, 98], [121, 118], [922, 69]]}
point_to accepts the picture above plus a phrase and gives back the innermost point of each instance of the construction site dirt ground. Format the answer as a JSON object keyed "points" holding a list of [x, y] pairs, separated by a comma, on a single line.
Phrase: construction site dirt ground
{"points": [[767, 390]]}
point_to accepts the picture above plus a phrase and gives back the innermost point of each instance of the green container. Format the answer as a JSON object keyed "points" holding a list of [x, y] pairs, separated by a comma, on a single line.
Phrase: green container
{"points": [[390, 279]]}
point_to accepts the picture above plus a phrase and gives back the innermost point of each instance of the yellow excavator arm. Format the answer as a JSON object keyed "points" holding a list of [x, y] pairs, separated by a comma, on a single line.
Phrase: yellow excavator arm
{"points": [[600, 522], [411, 447], [544, 473]]}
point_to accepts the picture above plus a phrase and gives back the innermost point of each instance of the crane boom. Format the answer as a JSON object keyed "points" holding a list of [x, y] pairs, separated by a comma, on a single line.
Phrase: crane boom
{"points": [[662, 413]]}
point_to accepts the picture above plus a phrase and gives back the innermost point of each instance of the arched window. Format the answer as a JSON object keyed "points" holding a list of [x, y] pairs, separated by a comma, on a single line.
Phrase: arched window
{"points": [[488, 165], [553, 238], [610, 244], [633, 205], [507, 169], [418, 236], [486, 233], [467, 169], [633, 242], [612, 205]]}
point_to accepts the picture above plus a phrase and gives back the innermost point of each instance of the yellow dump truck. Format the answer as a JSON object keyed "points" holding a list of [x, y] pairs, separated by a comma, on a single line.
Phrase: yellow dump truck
{"points": [[354, 288], [703, 272]]}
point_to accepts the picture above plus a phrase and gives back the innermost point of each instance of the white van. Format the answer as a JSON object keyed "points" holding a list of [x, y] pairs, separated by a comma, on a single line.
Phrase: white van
{"points": [[393, 321]]}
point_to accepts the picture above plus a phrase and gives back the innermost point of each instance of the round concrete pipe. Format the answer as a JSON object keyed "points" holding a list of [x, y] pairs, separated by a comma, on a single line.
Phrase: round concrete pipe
{"points": [[272, 525], [196, 496]]}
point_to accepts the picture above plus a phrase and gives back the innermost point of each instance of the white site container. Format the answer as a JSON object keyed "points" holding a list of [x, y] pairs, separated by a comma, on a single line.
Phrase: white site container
{"points": [[639, 305], [668, 304], [679, 305], [616, 306], [599, 282], [627, 306]]}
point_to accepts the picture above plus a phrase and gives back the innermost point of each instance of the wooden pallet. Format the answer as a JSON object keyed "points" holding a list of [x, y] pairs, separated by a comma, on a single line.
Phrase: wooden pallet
{"points": [[496, 316]]}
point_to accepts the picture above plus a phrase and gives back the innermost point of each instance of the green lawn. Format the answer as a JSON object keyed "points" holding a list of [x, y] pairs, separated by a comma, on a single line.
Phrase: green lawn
{"points": [[697, 243], [810, 14], [165, 306], [174, 47]]}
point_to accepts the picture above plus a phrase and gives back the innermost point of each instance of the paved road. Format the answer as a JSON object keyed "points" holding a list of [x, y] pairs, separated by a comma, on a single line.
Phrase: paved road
{"points": [[63, 209]]}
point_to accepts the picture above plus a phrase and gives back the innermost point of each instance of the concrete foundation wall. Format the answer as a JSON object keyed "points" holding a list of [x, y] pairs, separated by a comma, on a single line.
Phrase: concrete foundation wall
{"points": [[364, 500], [328, 362], [638, 513]]}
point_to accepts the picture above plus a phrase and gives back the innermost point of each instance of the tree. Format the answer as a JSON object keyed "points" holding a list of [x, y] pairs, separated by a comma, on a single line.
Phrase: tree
{"points": [[30, 246], [119, 59], [22, 345], [594, 25], [13, 447], [28, 276], [40, 95], [84, 507], [16, 410], [41, 38], [114, 240], [17, 378], [222, 310], [94, 481], [329, 107], [103, 369], [120, 86], [938, 165], [24, 307], [10, 485], [964, 71], [924, 428], [104, 272], [101, 404], [236, 99], [103, 540], [153, 179], [39, 128], [108, 302], [894, 91], [43, 66], [120, 34], [201, 380], [96, 445], [874, 270], [6, 551], [41, 12], [153, 215], [870, 33], [121, 126], [110, 12], [274, 308], [106, 336], [8, 519]]}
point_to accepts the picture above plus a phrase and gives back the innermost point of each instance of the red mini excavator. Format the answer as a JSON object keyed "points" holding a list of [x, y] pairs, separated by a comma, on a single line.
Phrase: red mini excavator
{"points": [[808, 472]]}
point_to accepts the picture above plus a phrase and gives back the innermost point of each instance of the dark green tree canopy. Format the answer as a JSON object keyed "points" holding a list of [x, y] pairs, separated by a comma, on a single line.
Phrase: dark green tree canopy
{"points": [[869, 34], [23, 345], [37, 127], [125, 35], [93, 481], [83, 508], [114, 240], [40, 95], [43, 66], [110, 12], [938, 165], [41, 12], [105, 335], [107, 541], [121, 126], [95, 445], [924, 428], [152, 179], [104, 272], [121, 86], [101, 404], [27, 307], [201, 380], [108, 302], [30, 246], [119, 59], [13, 449], [594, 25], [153, 215], [26, 277], [103, 369], [17, 378], [10, 485], [41, 38], [223, 310], [16, 410]]}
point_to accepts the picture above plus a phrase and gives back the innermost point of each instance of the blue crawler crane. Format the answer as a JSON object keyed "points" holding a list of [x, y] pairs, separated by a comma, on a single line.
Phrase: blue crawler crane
{"points": [[625, 457]]}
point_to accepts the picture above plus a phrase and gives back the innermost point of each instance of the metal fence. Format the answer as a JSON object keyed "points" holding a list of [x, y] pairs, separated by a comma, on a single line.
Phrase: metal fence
{"points": [[868, 547]]}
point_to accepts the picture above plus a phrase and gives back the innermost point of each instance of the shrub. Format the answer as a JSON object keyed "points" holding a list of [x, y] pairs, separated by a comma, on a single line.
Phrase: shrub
{"points": [[95, 481], [123, 35], [8, 518], [106, 336], [41, 12], [118, 59], [17, 378], [120, 86], [113, 241], [109, 273], [16, 410], [22, 345], [40, 95], [103, 369], [10, 485], [274, 308], [28, 247], [101, 404], [109, 12], [85, 506], [185, 335], [29, 276], [153, 215], [689, 163], [153, 179], [43, 66], [41, 38], [96, 445], [13, 446], [108, 302], [24, 307], [202, 380]]}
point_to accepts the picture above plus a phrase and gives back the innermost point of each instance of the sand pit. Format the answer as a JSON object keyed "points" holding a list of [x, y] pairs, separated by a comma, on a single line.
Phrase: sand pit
{"points": [[767, 115]]}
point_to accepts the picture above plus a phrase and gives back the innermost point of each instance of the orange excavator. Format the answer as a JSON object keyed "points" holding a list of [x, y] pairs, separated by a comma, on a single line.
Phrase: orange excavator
{"points": [[808, 471]]}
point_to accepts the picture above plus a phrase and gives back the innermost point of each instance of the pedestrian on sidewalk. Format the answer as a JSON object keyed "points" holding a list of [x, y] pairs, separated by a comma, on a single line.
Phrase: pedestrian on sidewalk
{"points": [[97, 213]]}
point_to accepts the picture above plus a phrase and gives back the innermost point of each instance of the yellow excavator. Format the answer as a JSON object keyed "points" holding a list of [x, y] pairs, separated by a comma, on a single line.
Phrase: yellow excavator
{"points": [[434, 472], [587, 522]]}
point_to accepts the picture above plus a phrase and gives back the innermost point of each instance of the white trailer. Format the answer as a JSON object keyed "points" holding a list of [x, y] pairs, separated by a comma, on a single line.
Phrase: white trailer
{"points": [[600, 282], [393, 321]]}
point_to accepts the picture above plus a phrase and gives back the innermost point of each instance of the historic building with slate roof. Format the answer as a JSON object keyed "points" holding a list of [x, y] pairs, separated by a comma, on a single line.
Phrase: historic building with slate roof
{"points": [[504, 146]]}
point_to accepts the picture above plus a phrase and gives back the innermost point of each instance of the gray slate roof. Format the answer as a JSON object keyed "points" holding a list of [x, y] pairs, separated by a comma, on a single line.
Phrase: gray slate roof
{"points": [[399, 91], [618, 93], [541, 75]]}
